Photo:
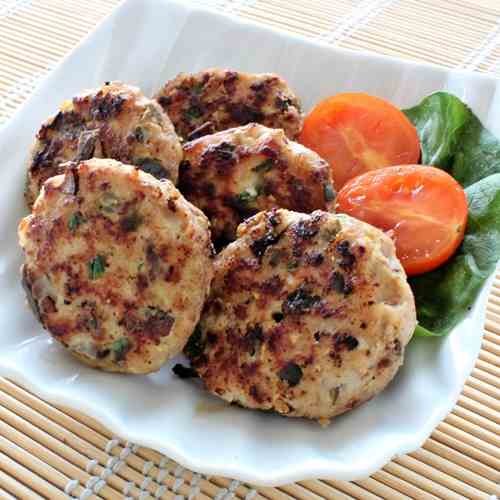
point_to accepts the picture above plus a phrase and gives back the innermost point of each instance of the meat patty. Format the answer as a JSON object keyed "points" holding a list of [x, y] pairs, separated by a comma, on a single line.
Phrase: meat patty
{"points": [[308, 315], [116, 121], [118, 265], [218, 99], [236, 173]]}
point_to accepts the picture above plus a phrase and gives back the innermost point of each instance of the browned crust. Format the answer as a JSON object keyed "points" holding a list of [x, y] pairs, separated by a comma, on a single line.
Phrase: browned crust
{"points": [[218, 99], [116, 121]]}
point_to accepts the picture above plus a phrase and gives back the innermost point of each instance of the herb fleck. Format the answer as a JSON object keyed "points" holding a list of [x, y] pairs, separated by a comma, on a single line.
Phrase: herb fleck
{"points": [[75, 220], [120, 347], [197, 88], [264, 166], [193, 113], [108, 202], [247, 197], [328, 192], [96, 267]]}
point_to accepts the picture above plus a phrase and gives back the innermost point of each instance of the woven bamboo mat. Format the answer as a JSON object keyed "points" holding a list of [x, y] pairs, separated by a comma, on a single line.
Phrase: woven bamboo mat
{"points": [[55, 453]]}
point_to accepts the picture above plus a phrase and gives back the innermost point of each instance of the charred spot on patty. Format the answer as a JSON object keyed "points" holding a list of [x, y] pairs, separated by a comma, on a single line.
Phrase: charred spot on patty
{"points": [[222, 155], [272, 286], [315, 258], [344, 341], [299, 302], [340, 284], [253, 339], [105, 106], [347, 258], [196, 344], [184, 372], [155, 323], [87, 144], [152, 166], [243, 113], [305, 229], [278, 316], [130, 222], [291, 373], [260, 246]]}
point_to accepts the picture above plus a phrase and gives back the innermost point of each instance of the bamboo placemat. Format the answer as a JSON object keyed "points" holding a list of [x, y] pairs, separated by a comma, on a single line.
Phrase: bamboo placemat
{"points": [[55, 453]]}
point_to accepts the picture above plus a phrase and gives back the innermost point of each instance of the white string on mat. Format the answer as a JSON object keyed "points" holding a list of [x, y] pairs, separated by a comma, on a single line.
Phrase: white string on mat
{"points": [[21, 90], [91, 465], [477, 56], [10, 7], [360, 16], [86, 493], [127, 487], [226, 6], [251, 494], [71, 485], [112, 443]]}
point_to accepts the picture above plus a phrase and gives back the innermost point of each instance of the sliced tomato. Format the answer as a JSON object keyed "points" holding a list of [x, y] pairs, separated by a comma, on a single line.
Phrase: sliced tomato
{"points": [[424, 209], [357, 132]]}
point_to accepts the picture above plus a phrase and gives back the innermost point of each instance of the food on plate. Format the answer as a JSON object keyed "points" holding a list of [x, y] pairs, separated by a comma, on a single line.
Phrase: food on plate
{"points": [[217, 99], [117, 265], [423, 208], [357, 132], [115, 121], [236, 173], [308, 315]]}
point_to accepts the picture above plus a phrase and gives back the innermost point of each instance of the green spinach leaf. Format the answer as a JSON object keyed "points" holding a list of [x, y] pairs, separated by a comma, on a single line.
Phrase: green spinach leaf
{"points": [[439, 119], [454, 139], [478, 154]]}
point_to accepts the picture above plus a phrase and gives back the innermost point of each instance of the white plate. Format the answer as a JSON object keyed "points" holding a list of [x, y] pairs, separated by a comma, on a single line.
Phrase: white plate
{"points": [[145, 43]]}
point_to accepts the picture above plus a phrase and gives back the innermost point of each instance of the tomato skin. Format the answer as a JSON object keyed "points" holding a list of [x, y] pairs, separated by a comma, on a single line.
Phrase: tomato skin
{"points": [[357, 132], [422, 208]]}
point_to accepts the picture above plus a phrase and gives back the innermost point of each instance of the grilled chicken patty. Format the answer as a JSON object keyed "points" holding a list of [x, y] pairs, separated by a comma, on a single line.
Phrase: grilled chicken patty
{"points": [[308, 315], [118, 265], [236, 173], [116, 121], [217, 99]]}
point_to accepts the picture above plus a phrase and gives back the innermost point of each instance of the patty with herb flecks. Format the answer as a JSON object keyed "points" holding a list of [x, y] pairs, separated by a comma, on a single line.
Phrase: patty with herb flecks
{"points": [[308, 315], [117, 265], [217, 99], [116, 121], [236, 173]]}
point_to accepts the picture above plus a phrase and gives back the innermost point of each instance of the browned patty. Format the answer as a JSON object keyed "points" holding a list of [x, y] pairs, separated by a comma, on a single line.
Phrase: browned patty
{"points": [[308, 315], [116, 121], [236, 173], [117, 265], [217, 99]]}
